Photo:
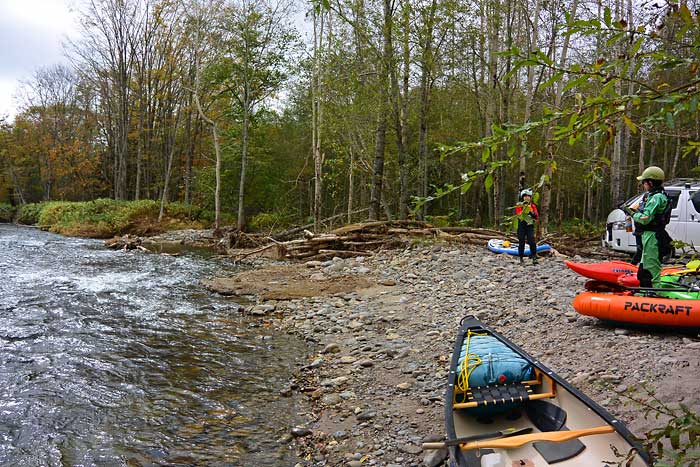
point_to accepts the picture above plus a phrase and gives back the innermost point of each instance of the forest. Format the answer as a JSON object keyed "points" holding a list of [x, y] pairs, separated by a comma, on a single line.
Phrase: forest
{"points": [[267, 113]]}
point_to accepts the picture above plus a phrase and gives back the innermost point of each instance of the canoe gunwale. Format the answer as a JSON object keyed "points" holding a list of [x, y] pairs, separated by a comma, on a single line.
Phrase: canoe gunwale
{"points": [[468, 458]]}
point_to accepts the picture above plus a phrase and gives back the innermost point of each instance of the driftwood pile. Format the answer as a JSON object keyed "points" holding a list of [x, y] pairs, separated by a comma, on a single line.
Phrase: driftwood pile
{"points": [[125, 243], [364, 238]]}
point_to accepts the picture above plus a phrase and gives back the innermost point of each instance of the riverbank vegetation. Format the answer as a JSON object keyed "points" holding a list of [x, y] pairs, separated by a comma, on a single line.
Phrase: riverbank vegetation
{"points": [[104, 218], [297, 112]]}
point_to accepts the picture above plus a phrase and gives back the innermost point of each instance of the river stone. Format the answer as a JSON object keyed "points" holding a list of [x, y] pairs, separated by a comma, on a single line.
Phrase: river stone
{"points": [[411, 449], [367, 415], [331, 399], [331, 348], [387, 282], [347, 359], [300, 431], [319, 276], [435, 457]]}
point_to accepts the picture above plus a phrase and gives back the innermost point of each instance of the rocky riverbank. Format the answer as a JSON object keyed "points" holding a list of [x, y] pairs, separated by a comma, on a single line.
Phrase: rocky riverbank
{"points": [[377, 379]]}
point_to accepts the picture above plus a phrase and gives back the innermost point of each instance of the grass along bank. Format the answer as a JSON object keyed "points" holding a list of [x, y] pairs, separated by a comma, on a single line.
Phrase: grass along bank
{"points": [[104, 218]]}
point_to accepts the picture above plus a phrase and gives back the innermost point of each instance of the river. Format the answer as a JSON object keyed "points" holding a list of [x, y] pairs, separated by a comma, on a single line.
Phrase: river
{"points": [[121, 359]]}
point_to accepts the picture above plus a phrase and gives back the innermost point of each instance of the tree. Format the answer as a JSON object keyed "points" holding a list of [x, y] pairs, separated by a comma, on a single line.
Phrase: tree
{"points": [[258, 45]]}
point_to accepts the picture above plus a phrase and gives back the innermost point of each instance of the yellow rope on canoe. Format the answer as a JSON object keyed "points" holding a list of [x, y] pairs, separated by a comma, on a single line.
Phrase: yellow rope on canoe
{"points": [[471, 361]]}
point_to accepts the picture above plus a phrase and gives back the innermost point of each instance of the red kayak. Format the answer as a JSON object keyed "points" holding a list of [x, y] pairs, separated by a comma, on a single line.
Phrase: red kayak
{"points": [[608, 271], [612, 272], [624, 307]]}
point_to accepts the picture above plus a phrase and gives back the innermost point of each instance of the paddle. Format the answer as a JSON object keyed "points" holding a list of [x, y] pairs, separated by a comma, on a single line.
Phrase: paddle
{"points": [[555, 436], [498, 434]]}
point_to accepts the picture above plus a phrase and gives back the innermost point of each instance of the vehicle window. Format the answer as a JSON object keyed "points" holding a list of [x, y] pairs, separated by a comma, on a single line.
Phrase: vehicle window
{"points": [[695, 198], [636, 199], [673, 197]]}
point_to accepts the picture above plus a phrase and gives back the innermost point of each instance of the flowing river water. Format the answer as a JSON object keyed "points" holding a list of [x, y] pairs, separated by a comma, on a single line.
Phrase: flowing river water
{"points": [[121, 359]]}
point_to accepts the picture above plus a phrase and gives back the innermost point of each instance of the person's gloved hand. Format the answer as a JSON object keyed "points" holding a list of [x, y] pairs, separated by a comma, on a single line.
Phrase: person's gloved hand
{"points": [[533, 215]]}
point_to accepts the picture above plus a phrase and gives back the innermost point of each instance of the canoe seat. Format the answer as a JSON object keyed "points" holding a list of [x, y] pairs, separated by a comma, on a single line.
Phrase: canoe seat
{"points": [[501, 394]]}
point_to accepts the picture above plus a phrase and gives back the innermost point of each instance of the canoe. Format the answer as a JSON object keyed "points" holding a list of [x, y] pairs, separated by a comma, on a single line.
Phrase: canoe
{"points": [[637, 309], [498, 246], [547, 421], [613, 271]]}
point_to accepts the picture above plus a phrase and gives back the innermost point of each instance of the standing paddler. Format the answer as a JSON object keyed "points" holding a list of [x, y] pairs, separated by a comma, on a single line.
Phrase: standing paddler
{"points": [[649, 220]]}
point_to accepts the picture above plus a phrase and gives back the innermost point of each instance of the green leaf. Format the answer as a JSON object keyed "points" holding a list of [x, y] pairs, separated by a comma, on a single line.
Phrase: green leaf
{"points": [[488, 182], [674, 437], [630, 124], [669, 120], [543, 57], [578, 82], [685, 14], [635, 47], [607, 17], [485, 153], [556, 77], [692, 107], [466, 186], [614, 38]]}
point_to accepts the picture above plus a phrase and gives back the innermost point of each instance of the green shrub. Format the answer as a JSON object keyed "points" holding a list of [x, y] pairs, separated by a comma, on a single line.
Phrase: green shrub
{"points": [[183, 211], [28, 214], [439, 221], [676, 441], [266, 221], [581, 228], [7, 212], [107, 217]]}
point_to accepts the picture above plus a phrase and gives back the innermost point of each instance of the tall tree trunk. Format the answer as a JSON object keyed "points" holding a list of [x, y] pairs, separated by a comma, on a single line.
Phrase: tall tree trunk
{"points": [[241, 222], [351, 186], [380, 134], [551, 148], [676, 156], [425, 85], [168, 170], [400, 102], [530, 90], [318, 20]]}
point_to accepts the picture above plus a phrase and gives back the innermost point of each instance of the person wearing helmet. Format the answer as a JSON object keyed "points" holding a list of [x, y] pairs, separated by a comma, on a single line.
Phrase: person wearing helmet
{"points": [[649, 221], [526, 213]]}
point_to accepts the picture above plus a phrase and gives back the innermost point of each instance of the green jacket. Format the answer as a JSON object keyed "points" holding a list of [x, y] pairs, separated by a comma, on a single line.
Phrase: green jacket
{"points": [[654, 206]]}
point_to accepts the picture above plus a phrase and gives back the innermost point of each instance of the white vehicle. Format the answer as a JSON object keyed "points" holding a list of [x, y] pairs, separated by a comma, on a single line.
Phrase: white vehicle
{"points": [[684, 195]]}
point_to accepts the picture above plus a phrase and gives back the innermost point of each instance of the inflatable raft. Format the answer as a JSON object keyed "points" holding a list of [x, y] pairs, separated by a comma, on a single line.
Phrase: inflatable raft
{"points": [[627, 308], [504, 246], [612, 271]]}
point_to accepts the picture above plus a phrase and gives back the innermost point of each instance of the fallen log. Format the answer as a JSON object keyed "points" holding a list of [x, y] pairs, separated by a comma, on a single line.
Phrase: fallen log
{"points": [[344, 253]]}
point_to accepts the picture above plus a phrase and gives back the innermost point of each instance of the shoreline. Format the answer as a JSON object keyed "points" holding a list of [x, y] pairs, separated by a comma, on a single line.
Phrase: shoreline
{"points": [[376, 380]]}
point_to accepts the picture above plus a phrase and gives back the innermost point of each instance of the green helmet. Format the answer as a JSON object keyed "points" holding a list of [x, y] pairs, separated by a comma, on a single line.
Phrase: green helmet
{"points": [[652, 173]]}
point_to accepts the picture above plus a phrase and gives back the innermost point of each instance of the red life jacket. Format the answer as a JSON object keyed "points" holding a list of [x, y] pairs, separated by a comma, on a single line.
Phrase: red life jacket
{"points": [[533, 208]]}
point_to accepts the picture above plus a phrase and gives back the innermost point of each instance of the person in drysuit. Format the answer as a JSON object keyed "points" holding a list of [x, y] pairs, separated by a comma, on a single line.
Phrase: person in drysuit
{"points": [[649, 221], [526, 213]]}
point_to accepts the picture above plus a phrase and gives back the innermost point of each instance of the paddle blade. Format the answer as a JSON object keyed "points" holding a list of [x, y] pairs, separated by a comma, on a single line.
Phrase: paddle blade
{"points": [[545, 415]]}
